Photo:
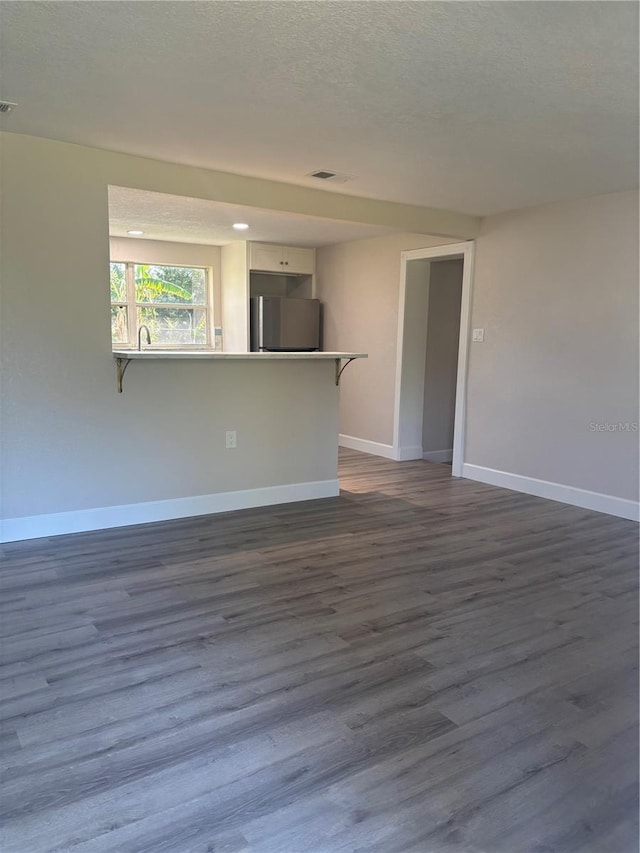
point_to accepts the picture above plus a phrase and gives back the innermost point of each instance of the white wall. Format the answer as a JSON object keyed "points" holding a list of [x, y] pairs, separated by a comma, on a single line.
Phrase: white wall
{"points": [[441, 362], [359, 282], [556, 290], [235, 297], [69, 442]]}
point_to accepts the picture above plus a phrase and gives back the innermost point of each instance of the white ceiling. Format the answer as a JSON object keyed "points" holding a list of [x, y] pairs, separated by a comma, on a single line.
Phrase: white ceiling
{"points": [[194, 220], [469, 106]]}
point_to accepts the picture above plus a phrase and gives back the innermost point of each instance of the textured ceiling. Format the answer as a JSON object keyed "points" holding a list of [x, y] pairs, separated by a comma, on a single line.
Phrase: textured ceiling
{"points": [[476, 107], [192, 220]]}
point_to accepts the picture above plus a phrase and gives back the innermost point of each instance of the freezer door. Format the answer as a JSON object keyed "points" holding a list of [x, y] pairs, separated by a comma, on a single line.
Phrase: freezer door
{"points": [[282, 324], [300, 324]]}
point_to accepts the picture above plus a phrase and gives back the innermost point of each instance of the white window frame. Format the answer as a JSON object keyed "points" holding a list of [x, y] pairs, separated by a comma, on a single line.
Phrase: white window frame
{"points": [[132, 307]]}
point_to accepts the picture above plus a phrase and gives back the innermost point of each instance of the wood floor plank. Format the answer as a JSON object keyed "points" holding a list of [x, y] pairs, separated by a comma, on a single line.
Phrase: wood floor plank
{"points": [[421, 665]]}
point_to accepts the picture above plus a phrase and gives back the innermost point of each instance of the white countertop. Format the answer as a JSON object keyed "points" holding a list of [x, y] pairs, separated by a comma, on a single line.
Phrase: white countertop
{"points": [[251, 356]]}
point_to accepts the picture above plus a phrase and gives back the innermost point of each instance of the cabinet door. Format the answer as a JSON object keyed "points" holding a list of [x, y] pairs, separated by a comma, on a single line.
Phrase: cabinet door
{"points": [[298, 260], [266, 258]]}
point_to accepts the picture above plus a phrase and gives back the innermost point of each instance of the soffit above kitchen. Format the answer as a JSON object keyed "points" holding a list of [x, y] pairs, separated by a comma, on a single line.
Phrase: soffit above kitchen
{"points": [[474, 107], [193, 220]]}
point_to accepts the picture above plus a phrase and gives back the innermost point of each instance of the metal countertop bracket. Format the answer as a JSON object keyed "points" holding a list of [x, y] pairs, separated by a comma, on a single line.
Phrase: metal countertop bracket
{"points": [[121, 369], [339, 369]]}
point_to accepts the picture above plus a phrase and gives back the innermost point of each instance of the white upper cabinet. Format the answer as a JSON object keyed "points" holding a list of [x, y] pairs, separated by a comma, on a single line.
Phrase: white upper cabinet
{"points": [[265, 257]]}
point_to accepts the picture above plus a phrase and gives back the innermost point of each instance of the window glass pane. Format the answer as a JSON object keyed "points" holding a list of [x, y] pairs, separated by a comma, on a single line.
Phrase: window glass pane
{"points": [[175, 326], [170, 284], [118, 283], [119, 332]]}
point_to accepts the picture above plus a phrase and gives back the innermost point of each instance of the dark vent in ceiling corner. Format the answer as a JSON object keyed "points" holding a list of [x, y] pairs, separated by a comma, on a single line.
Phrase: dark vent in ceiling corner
{"points": [[324, 176], [6, 106]]}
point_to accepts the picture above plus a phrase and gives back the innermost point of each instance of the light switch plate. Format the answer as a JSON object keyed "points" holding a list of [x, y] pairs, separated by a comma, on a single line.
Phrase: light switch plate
{"points": [[478, 336]]}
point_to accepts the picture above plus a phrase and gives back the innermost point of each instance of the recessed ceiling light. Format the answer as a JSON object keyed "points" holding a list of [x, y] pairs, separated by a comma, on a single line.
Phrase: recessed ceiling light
{"points": [[135, 233], [240, 226]]}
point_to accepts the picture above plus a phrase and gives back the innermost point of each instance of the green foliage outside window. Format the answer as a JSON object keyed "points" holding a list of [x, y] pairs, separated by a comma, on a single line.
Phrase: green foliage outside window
{"points": [[170, 300]]}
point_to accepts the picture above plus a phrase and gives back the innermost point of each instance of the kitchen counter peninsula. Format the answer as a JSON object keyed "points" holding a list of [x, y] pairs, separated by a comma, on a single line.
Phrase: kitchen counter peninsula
{"points": [[124, 357]]}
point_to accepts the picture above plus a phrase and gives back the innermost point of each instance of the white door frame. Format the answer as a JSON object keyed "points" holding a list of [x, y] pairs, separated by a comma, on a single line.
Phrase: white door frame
{"points": [[465, 249]]}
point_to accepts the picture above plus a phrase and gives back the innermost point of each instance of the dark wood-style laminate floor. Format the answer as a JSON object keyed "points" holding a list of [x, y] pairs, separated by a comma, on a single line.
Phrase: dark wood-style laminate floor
{"points": [[423, 664]]}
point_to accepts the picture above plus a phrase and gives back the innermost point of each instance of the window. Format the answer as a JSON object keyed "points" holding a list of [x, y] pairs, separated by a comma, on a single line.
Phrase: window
{"points": [[174, 302]]}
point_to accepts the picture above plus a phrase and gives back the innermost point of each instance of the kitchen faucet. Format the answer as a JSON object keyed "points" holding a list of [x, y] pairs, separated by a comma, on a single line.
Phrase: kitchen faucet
{"points": [[148, 333]]}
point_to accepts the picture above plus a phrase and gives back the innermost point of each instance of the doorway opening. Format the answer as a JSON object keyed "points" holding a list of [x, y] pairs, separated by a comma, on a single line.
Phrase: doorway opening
{"points": [[432, 354]]}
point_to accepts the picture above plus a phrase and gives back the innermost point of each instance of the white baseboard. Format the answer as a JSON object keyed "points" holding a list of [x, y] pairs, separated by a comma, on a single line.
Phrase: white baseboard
{"points": [[554, 491], [364, 446], [80, 521], [400, 454], [438, 455]]}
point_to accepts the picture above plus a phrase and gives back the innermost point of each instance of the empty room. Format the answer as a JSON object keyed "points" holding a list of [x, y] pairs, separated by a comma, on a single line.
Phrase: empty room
{"points": [[319, 426]]}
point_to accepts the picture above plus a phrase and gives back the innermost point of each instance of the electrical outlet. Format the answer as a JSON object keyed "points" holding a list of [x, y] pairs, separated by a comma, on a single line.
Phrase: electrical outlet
{"points": [[478, 336], [230, 439]]}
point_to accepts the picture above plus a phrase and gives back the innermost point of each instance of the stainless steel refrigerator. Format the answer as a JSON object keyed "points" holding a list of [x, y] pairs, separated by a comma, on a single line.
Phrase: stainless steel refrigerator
{"points": [[283, 324]]}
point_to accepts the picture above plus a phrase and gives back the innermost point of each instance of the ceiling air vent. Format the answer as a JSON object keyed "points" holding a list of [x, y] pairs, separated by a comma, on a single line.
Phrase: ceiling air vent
{"points": [[6, 106], [326, 175]]}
